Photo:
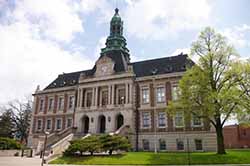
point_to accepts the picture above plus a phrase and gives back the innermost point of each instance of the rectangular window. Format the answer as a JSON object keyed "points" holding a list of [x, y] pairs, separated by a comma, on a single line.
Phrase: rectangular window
{"points": [[89, 99], [161, 119], [39, 124], [60, 103], [58, 124], [51, 103], [145, 119], [179, 119], [175, 92], [69, 122], [104, 98], [162, 144], [121, 96], [180, 144], [160, 94], [198, 144], [145, 96], [48, 125], [145, 144], [41, 105], [196, 120], [71, 102]]}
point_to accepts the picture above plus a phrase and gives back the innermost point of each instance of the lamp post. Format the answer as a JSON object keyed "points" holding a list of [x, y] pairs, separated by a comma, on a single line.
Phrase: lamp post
{"points": [[154, 71], [44, 146]]}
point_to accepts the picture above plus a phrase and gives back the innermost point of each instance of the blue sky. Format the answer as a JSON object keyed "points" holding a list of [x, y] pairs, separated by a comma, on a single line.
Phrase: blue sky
{"points": [[41, 39]]}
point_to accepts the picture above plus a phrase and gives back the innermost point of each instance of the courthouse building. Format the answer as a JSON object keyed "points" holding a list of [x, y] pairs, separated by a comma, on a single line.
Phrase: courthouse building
{"points": [[118, 96]]}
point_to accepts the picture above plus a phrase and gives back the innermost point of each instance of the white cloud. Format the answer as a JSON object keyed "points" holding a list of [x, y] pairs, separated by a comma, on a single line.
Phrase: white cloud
{"points": [[238, 35], [159, 19], [99, 46], [57, 19], [103, 7], [30, 50]]}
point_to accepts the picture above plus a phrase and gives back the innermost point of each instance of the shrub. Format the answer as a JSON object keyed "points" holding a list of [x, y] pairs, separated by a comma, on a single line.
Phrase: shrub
{"points": [[114, 143], [7, 143]]}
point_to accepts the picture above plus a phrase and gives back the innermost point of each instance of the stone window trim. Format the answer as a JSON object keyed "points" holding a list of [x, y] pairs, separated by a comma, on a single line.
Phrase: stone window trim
{"points": [[51, 102], [180, 144], [145, 101], [102, 91], [71, 106], [67, 125], [146, 120], [121, 101], [158, 119], [46, 126], [193, 121], [41, 104], [162, 144], [198, 144], [177, 115], [88, 103], [174, 91], [162, 96], [117, 89], [37, 125], [60, 103], [145, 145], [56, 121]]}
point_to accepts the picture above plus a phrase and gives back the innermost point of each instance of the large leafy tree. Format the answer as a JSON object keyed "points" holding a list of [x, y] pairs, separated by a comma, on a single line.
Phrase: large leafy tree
{"points": [[213, 89]]}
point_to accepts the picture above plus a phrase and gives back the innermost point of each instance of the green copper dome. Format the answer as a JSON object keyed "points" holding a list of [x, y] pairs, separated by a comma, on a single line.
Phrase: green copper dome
{"points": [[115, 40]]}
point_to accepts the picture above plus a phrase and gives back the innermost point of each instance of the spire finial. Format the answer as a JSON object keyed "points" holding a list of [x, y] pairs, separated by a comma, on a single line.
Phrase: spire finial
{"points": [[116, 10]]}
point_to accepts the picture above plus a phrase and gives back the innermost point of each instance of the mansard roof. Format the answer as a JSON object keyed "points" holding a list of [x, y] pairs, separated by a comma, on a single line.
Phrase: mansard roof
{"points": [[164, 65]]}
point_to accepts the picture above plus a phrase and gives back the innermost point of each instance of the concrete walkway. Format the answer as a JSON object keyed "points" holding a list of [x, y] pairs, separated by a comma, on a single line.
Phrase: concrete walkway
{"points": [[18, 161]]}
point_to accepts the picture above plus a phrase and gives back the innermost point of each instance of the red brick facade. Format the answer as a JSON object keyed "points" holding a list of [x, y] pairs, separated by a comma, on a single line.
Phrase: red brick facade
{"points": [[236, 136]]}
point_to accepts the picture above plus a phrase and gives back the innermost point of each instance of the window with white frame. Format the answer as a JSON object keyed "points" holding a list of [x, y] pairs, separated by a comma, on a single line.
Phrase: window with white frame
{"points": [[39, 124], [58, 124], [160, 94], [162, 144], [71, 102], [196, 121], [145, 95], [60, 103], [198, 144], [179, 144], [69, 122], [162, 119], [48, 124], [175, 92], [51, 104], [145, 119], [179, 119], [41, 105]]}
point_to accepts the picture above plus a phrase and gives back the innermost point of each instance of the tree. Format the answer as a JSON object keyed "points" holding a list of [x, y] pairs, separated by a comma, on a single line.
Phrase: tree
{"points": [[114, 142], [211, 89], [21, 115], [6, 123]]}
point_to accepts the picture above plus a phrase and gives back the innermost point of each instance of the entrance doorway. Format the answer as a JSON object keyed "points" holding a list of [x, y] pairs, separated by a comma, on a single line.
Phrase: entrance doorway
{"points": [[119, 121], [102, 124], [85, 124]]}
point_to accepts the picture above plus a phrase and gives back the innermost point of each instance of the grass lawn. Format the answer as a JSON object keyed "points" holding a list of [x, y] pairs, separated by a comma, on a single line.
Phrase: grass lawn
{"points": [[149, 158]]}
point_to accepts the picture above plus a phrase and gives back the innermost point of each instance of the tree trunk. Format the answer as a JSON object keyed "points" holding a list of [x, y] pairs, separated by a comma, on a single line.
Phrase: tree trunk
{"points": [[220, 140], [110, 152], [91, 153]]}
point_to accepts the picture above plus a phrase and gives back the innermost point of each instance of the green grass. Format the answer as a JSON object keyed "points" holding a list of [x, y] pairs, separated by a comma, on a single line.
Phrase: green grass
{"points": [[149, 158]]}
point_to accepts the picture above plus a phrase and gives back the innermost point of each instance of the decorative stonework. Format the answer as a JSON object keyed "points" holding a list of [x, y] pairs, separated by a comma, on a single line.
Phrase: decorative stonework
{"points": [[104, 67]]}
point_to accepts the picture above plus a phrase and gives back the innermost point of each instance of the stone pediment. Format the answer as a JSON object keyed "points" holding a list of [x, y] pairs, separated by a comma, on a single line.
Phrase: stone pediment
{"points": [[104, 67]]}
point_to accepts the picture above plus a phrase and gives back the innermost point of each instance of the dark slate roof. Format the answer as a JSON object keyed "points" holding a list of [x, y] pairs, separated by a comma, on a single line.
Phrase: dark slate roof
{"points": [[117, 57], [143, 68], [164, 65]]}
